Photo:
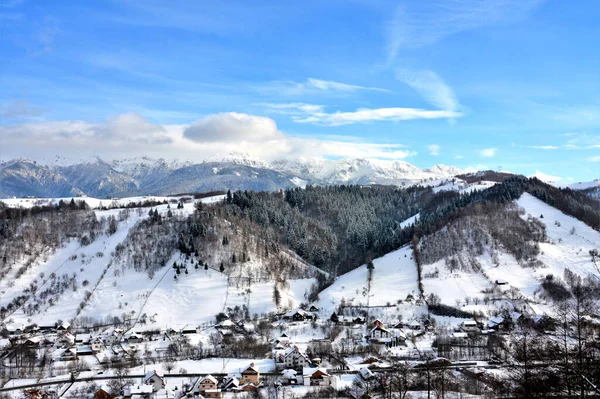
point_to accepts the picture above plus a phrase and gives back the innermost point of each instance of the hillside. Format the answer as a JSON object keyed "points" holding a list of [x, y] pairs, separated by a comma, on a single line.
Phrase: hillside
{"points": [[153, 262]]}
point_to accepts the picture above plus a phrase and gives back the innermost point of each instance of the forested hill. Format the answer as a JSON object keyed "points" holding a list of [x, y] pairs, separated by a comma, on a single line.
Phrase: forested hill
{"points": [[339, 228]]}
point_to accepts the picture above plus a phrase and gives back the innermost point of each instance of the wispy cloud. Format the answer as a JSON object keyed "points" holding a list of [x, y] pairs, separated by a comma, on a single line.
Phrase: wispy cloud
{"points": [[316, 114], [292, 108], [434, 149], [423, 23], [544, 147], [431, 87], [337, 86], [365, 115], [594, 158], [315, 86], [488, 152]]}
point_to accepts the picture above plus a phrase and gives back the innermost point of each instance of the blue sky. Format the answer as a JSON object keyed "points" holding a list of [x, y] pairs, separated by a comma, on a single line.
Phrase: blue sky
{"points": [[473, 83]]}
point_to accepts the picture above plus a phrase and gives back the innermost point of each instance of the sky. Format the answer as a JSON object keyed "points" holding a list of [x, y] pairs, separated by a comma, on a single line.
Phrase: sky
{"points": [[510, 85]]}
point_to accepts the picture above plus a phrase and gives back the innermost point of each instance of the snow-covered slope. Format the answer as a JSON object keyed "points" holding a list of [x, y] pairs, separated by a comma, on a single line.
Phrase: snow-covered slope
{"points": [[394, 277], [115, 289], [363, 171]]}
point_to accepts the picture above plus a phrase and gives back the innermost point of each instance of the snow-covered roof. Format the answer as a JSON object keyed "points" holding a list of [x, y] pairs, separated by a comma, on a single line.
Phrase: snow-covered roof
{"points": [[137, 389], [289, 373], [151, 374], [494, 321], [379, 328], [208, 378], [310, 371], [460, 335], [366, 373], [251, 367], [226, 323]]}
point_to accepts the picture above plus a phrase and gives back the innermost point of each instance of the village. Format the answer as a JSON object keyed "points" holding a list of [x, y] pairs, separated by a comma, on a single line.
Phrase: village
{"points": [[294, 353]]}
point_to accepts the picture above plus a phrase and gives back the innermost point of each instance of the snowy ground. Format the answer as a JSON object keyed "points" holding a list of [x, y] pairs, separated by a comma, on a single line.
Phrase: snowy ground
{"points": [[394, 277]]}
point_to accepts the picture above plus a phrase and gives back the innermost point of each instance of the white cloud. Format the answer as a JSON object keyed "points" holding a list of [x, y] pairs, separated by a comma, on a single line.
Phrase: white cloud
{"points": [[130, 135], [431, 87], [331, 85], [423, 23], [488, 152], [231, 127], [594, 159], [315, 86], [459, 157], [545, 177], [292, 108], [434, 149], [476, 168], [545, 147], [365, 115]]}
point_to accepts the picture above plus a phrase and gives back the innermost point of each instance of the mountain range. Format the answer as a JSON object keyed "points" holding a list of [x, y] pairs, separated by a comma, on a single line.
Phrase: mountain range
{"points": [[144, 176]]}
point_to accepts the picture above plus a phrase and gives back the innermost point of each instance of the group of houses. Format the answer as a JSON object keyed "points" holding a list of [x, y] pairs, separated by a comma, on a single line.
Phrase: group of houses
{"points": [[154, 386], [297, 367], [393, 335]]}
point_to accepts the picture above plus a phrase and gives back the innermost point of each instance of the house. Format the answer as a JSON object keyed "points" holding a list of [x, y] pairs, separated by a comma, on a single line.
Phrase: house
{"points": [[84, 350], [246, 326], [68, 354], [282, 339], [112, 338], [230, 384], [33, 341], [294, 359], [208, 387], [380, 335], [156, 381], [137, 391], [188, 330], [104, 393], [97, 345], [250, 374], [298, 315], [248, 387], [65, 339], [366, 374], [414, 325], [64, 326], [399, 325], [495, 323], [313, 309], [226, 324], [289, 377], [83, 339], [377, 323], [460, 336], [501, 282], [315, 377], [133, 338], [469, 326]]}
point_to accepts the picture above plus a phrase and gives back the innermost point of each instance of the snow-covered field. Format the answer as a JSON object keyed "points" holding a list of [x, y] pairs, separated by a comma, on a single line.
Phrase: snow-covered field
{"points": [[394, 277]]}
